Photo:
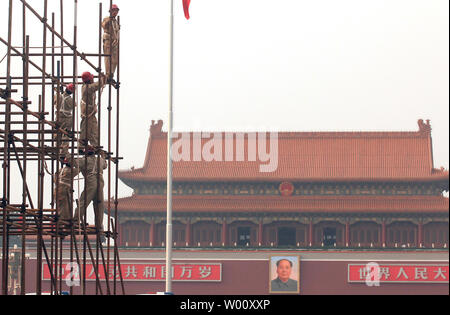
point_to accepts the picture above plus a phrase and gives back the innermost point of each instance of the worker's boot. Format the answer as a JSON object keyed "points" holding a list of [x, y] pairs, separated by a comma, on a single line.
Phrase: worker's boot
{"points": [[113, 82]]}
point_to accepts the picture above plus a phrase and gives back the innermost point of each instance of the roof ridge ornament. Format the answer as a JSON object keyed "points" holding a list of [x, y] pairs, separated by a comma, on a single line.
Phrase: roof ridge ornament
{"points": [[424, 127], [156, 129]]}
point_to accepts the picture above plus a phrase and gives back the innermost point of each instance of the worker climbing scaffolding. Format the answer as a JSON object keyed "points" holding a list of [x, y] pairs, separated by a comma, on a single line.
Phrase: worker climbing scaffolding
{"points": [[63, 189], [89, 123], [64, 104], [93, 190]]}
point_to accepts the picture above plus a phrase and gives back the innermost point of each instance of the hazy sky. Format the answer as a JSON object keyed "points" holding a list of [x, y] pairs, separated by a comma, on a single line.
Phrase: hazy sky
{"points": [[286, 65]]}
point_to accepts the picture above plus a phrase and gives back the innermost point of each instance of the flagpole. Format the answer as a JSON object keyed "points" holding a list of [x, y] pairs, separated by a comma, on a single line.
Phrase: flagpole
{"points": [[169, 166]]}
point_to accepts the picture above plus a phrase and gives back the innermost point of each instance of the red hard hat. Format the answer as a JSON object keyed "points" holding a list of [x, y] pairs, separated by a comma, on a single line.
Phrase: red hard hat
{"points": [[70, 87], [87, 77], [114, 7]]}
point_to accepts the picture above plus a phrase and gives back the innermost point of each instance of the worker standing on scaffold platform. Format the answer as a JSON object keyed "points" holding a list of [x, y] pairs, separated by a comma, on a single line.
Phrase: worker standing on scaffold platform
{"points": [[64, 117], [111, 30], [89, 124], [93, 191]]}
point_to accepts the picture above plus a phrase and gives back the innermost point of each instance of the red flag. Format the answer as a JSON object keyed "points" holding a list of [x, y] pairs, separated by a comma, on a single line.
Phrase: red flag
{"points": [[186, 4]]}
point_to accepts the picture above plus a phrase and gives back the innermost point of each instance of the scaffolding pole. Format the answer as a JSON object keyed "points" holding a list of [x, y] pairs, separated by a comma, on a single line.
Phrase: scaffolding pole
{"points": [[33, 138]]}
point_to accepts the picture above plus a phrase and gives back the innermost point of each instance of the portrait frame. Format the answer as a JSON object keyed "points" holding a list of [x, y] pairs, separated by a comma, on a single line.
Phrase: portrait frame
{"points": [[295, 274]]}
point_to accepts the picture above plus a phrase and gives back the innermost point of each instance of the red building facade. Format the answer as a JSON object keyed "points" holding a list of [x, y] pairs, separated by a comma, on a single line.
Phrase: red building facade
{"points": [[329, 189]]}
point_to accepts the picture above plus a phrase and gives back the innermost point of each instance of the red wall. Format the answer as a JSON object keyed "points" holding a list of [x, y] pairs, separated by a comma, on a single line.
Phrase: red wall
{"points": [[251, 278]]}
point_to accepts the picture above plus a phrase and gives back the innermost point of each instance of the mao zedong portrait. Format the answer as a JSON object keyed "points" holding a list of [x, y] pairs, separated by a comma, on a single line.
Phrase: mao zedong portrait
{"points": [[283, 283]]}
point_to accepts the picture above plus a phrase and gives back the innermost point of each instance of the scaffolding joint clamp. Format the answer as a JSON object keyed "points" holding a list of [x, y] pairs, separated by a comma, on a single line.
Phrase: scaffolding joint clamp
{"points": [[5, 93], [10, 138], [4, 202], [24, 103]]}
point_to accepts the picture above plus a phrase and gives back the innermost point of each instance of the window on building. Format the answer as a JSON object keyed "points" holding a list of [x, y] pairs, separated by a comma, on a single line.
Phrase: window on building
{"points": [[404, 237], [397, 237], [375, 236], [404, 234], [301, 235], [338, 235], [319, 235], [243, 236], [329, 236], [436, 233], [272, 235], [162, 235], [197, 236], [412, 237], [366, 234], [233, 234], [219, 236], [253, 234], [204, 239], [126, 235], [286, 236]]}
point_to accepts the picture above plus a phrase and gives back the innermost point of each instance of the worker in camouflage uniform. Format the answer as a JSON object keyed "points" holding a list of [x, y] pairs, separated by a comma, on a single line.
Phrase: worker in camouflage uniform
{"points": [[92, 167], [89, 123], [64, 104], [111, 29], [63, 191]]}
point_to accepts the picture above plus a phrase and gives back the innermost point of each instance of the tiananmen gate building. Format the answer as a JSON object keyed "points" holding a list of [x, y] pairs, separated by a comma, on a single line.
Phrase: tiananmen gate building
{"points": [[329, 189]]}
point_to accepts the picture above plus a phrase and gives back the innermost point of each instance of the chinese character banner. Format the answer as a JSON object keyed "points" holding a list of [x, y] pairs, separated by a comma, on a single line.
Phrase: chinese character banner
{"points": [[144, 272], [398, 273]]}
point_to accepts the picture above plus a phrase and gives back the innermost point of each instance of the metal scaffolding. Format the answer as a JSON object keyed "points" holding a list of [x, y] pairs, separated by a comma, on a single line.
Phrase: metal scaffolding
{"points": [[30, 142]]}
